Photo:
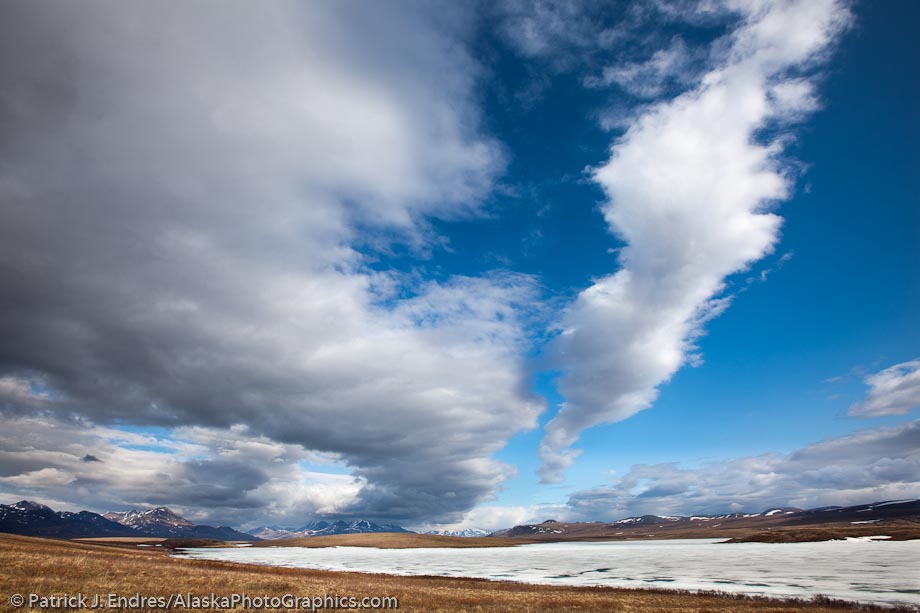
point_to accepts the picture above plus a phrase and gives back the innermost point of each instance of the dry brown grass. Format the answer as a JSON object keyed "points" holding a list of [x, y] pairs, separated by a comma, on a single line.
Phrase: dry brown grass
{"points": [[897, 530], [45, 566], [739, 530]]}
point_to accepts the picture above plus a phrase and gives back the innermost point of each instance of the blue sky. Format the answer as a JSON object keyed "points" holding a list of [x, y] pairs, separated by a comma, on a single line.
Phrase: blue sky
{"points": [[844, 304], [478, 266]]}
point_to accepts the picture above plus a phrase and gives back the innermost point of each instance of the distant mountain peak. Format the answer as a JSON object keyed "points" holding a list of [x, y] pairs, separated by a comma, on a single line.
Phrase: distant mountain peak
{"points": [[28, 505], [322, 527], [159, 516]]}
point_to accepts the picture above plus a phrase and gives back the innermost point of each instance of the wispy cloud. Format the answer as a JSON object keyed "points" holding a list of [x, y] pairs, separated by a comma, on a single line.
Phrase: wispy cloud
{"points": [[689, 188], [672, 65], [556, 30], [893, 391]]}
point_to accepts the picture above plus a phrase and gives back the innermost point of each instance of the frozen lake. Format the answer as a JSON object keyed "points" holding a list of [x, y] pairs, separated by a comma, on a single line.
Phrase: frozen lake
{"points": [[869, 571]]}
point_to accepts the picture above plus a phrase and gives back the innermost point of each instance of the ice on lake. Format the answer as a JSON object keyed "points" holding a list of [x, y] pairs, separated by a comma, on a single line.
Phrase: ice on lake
{"points": [[868, 571]]}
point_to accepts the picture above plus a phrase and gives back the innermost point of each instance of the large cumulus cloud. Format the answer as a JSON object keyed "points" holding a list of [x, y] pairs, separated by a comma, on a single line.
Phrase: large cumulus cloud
{"points": [[690, 188], [182, 193]]}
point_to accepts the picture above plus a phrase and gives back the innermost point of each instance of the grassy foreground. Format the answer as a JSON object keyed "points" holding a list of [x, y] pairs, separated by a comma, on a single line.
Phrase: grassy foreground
{"points": [[44, 566]]}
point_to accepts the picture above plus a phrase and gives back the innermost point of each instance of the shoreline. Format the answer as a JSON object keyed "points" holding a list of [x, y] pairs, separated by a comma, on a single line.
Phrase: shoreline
{"points": [[399, 540]]}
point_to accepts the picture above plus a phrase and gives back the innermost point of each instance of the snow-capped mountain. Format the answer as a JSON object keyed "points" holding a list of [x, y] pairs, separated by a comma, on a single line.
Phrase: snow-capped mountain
{"points": [[33, 519], [780, 511], [160, 517], [357, 526], [465, 532], [272, 533], [324, 528], [315, 525], [162, 522]]}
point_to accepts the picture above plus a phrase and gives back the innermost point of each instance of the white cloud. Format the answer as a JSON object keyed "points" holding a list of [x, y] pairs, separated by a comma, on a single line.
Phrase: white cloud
{"points": [[866, 466], [893, 391], [793, 98], [689, 189], [498, 517], [542, 28], [42, 478], [20, 391]]}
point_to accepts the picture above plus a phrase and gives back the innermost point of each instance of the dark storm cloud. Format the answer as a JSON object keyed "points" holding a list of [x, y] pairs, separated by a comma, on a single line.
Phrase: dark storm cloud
{"points": [[178, 193]]}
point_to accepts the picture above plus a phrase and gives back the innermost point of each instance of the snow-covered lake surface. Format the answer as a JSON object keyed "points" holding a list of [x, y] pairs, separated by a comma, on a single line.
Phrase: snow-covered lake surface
{"points": [[868, 571]]}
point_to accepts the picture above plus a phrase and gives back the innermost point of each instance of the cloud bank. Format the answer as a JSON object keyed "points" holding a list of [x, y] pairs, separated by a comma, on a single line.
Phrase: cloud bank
{"points": [[183, 193], [690, 186], [207, 474], [870, 465]]}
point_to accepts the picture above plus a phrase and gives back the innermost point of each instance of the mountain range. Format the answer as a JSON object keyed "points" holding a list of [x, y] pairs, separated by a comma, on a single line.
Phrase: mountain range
{"points": [[899, 518], [468, 532], [323, 528], [33, 519], [779, 523]]}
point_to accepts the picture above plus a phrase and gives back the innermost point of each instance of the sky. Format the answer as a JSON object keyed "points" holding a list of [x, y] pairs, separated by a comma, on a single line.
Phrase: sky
{"points": [[455, 265]]}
